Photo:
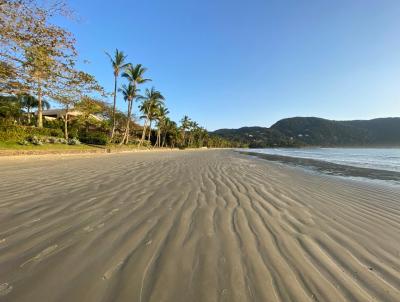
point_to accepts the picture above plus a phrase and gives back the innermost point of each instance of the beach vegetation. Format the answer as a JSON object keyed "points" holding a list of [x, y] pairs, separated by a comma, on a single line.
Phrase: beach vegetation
{"points": [[118, 63], [38, 71]]}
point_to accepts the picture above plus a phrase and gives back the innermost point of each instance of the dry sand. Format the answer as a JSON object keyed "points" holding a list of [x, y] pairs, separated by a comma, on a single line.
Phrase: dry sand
{"points": [[193, 226]]}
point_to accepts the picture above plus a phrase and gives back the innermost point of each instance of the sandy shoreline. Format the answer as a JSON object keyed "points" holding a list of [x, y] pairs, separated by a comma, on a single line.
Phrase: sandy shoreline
{"points": [[63, 155], [332, 168], [211, 225]]}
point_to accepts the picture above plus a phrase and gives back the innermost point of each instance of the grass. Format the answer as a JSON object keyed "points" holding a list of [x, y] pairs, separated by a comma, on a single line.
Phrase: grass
{"points": [[13, 148], [46, 147]]}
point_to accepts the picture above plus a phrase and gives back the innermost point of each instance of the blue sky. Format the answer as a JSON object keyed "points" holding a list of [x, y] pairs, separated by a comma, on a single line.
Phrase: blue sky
{"points": [[229, 63]]}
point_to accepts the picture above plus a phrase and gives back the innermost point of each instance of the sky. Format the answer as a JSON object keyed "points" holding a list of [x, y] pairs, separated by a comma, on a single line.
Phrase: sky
{"points": [[230, 63]]}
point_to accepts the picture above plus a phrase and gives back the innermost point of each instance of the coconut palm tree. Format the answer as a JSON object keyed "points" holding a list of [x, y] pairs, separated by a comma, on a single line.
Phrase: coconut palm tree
{"points": [[117, 63], [174, 134], [193, 126], [152, 100], [144, 107], [29, 102], [129, 93], [167, 129], [161, 115], [135, 76], [10, 108], [185, 125]]}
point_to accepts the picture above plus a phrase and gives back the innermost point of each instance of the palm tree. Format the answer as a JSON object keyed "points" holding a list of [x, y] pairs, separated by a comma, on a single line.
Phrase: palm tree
{"points": [[10, 108], [161, 115], [185, 125], [173, 132], [117, 63], [152, 100], [168, 126], [144, 107], [30, 102], [129, 93], [202, 136], [134, 74]]}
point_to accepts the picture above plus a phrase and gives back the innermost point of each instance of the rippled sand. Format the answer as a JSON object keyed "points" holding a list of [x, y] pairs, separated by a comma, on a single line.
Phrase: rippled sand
{"points": [[192, 226]]}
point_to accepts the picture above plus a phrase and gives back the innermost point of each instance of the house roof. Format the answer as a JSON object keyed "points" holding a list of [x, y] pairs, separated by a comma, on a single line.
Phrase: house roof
{"points": [[71, 112]]}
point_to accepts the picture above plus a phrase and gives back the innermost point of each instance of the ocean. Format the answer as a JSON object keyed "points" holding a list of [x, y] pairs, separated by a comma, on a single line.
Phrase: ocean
{"points": [[373, 163]]}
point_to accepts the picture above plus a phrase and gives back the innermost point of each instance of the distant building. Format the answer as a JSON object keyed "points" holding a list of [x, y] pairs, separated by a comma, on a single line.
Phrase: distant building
{"points": [[53, 114]]}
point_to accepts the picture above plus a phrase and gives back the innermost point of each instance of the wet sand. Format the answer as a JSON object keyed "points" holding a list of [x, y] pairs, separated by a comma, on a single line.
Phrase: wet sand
{"points": [[211, 225], [332, 168]]}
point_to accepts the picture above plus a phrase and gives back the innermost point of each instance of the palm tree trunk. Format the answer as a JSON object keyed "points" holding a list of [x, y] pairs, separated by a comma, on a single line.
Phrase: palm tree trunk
{"points": [[183, 138], [114, 107], [148, 139], [66, 123], [164, 137], [40, 109], [129, 121], [125, 138], [156, 143], [158, 137], [144, 132], [29, 114], [190, 139]]}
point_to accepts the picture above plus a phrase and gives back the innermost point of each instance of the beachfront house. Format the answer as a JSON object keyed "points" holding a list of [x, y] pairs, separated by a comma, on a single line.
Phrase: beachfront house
{"points": [[53, 114]]}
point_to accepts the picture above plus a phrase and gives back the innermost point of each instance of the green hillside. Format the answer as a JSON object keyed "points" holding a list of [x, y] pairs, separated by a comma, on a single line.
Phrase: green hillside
{"points": [[312, 131]]}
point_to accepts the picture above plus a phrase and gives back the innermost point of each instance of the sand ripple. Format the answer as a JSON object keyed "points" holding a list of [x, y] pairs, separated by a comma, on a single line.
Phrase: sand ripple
{"points": [[193, 226]]}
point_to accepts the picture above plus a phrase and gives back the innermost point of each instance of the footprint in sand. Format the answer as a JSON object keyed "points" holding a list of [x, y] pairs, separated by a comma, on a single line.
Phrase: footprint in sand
{"points": [[5, 289], [41, 255]]}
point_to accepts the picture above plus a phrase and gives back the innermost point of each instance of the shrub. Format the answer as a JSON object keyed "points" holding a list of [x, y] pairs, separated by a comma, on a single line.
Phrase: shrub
{"points": [[94, 137], [24, 143], [15, 133], [145, 143], [73, 141], [35, 140], [55, 132], [54, 124], [52, 140], [62, 141]]}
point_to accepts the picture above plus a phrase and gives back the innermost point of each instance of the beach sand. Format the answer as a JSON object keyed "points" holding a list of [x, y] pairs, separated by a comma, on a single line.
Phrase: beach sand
{"points": [[211, 225]]}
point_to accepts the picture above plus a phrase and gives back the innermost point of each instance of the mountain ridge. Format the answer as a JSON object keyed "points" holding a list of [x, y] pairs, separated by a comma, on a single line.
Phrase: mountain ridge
{"points": [[315, 131]]}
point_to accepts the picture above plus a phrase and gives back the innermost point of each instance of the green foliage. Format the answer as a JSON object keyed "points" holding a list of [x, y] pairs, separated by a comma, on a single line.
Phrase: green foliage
{"points": [[255, 137], [73, 141], [146, 144], [311, 131], [34, 140], [321, 132], [53, 124], [15, 133], [94, 137], [23, 143], [10, 107], [41, 140]]}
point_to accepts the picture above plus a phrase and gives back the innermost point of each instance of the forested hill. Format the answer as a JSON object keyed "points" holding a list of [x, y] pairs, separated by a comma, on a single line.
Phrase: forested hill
{"points": [[312, 131]]}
